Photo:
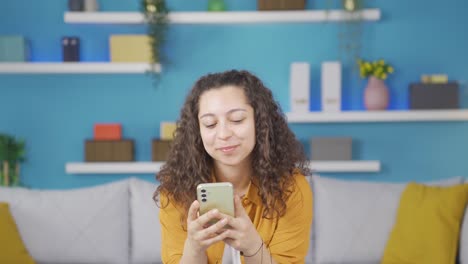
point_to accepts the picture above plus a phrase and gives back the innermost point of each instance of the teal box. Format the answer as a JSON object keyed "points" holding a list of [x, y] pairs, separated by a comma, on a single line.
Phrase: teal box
{"points": [[13, 49]]}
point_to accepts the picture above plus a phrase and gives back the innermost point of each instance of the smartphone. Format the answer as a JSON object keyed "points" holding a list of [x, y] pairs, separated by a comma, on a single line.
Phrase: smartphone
{"points": [[218, 195]]}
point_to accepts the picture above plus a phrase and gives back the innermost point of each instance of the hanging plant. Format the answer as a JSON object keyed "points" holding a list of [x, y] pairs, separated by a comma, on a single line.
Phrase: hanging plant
{"points": [[156, 16], [349, 31]]}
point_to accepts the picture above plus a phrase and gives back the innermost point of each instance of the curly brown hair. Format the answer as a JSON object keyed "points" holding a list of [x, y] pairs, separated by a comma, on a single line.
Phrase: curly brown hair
{"points": [[277, 154]]}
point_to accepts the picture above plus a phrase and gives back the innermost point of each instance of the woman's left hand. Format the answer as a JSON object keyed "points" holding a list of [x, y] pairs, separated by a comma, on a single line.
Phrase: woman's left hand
{"points": [[242, 234]]}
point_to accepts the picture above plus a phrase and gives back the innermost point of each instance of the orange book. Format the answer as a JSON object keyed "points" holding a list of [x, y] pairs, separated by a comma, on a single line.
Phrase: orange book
{"points": [[107, 131]]}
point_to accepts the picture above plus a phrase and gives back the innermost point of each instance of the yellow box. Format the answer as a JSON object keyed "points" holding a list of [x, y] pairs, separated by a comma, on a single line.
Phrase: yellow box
{"points": [[434, 78], [167, 130], [439, 78], [130, 48]]}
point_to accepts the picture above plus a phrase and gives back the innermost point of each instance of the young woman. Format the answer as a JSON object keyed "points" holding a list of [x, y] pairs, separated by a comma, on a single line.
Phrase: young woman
{"points": [[232, 130]]}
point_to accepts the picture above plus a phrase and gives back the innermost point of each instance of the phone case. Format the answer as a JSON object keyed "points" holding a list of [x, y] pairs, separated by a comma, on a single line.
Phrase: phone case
{"points": [[219, 195]]}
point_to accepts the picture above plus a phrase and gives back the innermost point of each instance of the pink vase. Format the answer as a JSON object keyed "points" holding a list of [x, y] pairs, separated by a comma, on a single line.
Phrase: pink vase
{"points": [[376, 94]]}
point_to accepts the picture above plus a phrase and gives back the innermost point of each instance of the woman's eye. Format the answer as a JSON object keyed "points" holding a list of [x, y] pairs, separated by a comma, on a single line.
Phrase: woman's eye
{"points": [[237, 120], [210, 125]]}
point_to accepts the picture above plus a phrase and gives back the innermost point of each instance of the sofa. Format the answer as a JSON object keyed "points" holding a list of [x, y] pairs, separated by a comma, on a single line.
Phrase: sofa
{"points": [[118, 222]]}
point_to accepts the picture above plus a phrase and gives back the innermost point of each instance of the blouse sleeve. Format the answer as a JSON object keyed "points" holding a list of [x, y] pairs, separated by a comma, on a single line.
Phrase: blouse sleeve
{"points": [[173, 234], [290, 242]]}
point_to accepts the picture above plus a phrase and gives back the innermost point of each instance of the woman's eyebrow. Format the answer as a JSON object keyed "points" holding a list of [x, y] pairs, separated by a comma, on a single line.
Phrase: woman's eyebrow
{"points": [[228, 112], [236, 109], [206, 115]]}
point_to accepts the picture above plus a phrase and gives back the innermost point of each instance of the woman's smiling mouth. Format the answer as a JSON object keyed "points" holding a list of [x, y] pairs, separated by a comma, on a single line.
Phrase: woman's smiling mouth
{"points": [[228, 149]]}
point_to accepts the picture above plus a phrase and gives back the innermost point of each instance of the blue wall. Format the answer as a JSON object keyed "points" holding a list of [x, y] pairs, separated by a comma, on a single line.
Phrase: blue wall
{"points": [[56, 113]]}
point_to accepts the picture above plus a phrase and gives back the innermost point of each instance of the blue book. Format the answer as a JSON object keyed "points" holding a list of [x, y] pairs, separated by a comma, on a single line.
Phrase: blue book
{"points": [[13, 49], [71, 48]]}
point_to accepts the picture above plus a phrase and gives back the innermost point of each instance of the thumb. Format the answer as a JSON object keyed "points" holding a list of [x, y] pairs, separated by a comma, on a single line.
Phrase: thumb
{"points": [[239, 209], [193, 210]]}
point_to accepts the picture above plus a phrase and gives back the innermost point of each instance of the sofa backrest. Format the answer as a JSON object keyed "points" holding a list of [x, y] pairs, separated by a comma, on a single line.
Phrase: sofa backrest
{"points": [[119, 222], [353, 219], [145, 229], [86, 225]]}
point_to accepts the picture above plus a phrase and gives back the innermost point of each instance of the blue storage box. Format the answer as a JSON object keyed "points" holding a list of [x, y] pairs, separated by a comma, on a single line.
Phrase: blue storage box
{"points": [[13, 49]]}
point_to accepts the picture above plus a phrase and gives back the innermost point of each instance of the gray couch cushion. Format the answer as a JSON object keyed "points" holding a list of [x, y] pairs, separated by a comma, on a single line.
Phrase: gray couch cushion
{"points": [[145, 228], [353, 219], [86, 225]]}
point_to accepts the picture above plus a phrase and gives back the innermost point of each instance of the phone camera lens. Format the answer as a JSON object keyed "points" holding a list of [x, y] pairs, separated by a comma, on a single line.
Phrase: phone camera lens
{"points": [[203, 191], [203, 195], [203, 200]]}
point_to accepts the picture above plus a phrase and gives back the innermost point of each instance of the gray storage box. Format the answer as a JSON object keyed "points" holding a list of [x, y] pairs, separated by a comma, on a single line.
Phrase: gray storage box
{"points": [[331, 148], [433, 95]]}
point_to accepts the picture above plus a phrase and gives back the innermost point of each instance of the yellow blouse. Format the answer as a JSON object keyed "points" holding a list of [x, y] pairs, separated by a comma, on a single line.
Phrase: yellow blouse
{"points": [[287, 238]]}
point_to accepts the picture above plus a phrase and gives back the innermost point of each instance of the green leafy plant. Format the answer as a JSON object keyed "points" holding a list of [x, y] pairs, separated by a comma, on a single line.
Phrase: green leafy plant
{"points": [[12, 153], [156, 16], [379, 69]]}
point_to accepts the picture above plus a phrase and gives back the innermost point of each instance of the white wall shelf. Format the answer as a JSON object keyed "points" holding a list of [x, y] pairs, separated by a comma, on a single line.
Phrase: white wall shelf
{"points": [[153, 167], [225, 17], [74, 67], [112, 167], [345, 166], [379, 116]]}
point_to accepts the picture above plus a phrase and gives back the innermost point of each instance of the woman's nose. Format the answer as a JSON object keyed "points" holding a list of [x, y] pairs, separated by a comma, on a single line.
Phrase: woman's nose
{"points": [[224, 131]]}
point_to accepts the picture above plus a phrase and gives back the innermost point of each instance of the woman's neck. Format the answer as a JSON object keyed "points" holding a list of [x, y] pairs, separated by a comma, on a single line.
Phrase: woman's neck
{"points": [[239, 176]]}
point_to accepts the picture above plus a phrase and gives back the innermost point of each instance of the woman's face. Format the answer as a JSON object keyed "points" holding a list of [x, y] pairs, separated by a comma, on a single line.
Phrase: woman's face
{"points": [[227, 125]]}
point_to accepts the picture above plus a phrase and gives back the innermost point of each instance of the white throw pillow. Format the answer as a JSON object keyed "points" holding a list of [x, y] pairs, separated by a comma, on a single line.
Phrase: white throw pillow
{"points": [[145, 227], [85, 225], [353, 219]]}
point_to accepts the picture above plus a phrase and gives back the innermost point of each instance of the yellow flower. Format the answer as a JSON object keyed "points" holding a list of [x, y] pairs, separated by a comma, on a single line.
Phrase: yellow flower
{"points": [[378, 68]]}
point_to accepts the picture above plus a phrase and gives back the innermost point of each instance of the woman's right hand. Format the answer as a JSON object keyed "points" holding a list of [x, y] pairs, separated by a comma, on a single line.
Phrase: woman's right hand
{"points": [[199, 235]]}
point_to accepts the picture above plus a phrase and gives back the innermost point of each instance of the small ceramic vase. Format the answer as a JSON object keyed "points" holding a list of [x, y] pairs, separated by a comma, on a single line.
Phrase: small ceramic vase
{"points": [[376, 96]]}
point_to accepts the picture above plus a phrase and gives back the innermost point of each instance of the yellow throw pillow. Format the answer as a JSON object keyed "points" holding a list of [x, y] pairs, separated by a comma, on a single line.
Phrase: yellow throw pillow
{"points": [[12, 249], [428, 225]]}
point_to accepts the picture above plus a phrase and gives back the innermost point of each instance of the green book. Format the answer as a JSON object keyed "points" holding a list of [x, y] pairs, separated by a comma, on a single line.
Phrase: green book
{"points": [[13, 49]]}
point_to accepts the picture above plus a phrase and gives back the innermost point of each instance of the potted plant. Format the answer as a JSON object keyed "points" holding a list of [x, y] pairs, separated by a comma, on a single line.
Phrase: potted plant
{"points": [[156, 15], [376, 96], [12, 153]]}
